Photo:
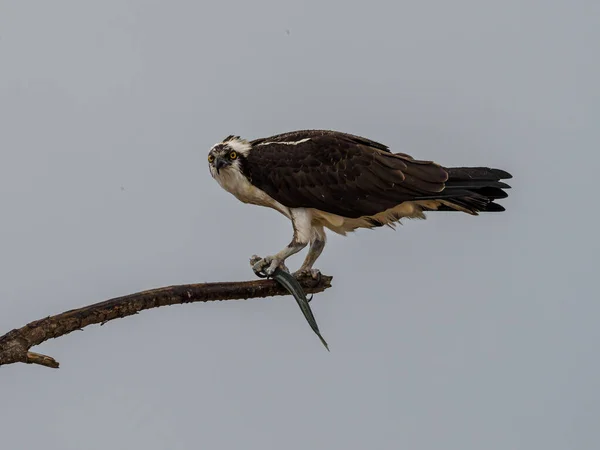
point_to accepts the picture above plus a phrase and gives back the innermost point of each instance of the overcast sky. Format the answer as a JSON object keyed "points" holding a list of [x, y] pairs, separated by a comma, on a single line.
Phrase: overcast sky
{"points": [[457, 332]]}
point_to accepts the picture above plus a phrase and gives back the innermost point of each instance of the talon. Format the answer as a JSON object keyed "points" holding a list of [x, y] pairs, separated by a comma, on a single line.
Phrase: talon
{"points": [[273, 266], [315, 274], [266, 267], [258, 265]]}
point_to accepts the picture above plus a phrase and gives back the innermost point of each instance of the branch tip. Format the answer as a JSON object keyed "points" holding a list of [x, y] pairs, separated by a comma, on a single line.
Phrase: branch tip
{"points": [[42, 360]]}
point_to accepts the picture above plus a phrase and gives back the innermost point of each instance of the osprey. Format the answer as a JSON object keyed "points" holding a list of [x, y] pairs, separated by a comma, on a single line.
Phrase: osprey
{"points": [[328, 179]]}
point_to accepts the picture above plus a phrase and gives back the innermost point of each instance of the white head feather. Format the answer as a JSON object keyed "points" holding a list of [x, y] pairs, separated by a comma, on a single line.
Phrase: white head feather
{"points": [[241, 146]]}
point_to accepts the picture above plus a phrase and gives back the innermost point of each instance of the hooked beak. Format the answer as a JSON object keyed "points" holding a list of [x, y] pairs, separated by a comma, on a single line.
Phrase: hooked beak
{"points": [[220, 163]]}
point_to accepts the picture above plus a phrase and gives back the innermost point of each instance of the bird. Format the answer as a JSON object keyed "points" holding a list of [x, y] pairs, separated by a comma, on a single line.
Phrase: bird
{"points": [[326, 179]]}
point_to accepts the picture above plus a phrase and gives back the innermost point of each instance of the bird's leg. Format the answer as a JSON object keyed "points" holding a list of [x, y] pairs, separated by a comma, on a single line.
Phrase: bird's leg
{"points": [[301, 219], [317, 244]]}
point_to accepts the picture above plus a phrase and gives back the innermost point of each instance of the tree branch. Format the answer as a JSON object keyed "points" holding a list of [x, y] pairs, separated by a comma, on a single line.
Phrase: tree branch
{"points": [[15, 345]]}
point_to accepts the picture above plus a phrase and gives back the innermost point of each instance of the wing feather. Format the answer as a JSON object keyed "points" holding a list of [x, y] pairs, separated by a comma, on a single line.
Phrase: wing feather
{"points": [[338, 173]]}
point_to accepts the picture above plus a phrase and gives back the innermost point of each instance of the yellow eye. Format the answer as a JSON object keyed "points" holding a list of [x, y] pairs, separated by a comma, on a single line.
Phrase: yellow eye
{"points": [[232, 155], [211, 158]]}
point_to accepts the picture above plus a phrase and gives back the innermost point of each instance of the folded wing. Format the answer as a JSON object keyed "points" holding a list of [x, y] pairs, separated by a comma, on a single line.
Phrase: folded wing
{"points": [[339, 173]]}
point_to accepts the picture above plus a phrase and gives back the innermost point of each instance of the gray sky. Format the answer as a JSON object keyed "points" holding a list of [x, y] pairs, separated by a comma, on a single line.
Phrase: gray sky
{"points": [[457, 332]]}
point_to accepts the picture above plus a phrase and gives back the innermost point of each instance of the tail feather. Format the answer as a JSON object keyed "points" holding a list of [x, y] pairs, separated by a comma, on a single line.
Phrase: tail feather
{"points": [[477, 173], [473, 190], [492, 193], [475, 184]]}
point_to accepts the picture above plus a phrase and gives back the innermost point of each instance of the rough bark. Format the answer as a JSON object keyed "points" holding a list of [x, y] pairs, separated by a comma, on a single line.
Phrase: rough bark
{"points": [[15, 345]]}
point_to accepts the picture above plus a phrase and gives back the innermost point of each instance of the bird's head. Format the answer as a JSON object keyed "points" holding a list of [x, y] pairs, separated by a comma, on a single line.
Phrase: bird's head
{"points": [[227, 155]]}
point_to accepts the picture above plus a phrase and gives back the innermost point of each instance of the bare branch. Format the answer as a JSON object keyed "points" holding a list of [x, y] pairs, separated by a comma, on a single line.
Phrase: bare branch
{"points": [[15, 345]]}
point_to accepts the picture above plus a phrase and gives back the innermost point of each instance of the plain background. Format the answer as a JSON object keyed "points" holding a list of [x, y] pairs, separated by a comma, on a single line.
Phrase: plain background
{"points": [[456, 332]]}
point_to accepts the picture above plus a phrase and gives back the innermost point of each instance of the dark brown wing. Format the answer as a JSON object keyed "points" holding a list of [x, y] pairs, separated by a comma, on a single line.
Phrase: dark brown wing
{"points": [[339, 173], [295, 136]]}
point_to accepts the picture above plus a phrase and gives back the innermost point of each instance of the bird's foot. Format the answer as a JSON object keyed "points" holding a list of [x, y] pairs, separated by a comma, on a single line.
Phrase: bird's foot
{"points": [[265, 267], [315, 274]]}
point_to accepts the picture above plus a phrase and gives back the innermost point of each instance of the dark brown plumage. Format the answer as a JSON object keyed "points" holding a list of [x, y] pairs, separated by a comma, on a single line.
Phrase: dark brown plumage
{"points": [[352, 176]]}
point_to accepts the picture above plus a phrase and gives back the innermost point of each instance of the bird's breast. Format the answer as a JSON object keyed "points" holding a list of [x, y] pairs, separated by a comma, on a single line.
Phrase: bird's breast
{"points": [[237, 184]]}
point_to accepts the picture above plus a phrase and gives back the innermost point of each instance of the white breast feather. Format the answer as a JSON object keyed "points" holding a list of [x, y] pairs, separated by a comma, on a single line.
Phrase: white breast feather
{"points": [[234, 182]]}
